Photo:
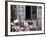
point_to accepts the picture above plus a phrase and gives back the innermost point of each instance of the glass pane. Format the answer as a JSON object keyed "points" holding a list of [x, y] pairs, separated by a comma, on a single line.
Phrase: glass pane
{"points": [[13, 12], [20, 11], [28, 12], [34, 12]]}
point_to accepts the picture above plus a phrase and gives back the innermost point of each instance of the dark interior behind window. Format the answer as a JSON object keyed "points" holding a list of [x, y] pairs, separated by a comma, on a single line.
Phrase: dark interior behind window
{"points": [[13, 12], [31, 12], [34, 12], [28, 12]]}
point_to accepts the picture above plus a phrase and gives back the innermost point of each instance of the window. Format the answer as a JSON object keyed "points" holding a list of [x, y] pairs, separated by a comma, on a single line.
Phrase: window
{"points": [[31, 12], [28, 12], [34, 12], [13, 12]]}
